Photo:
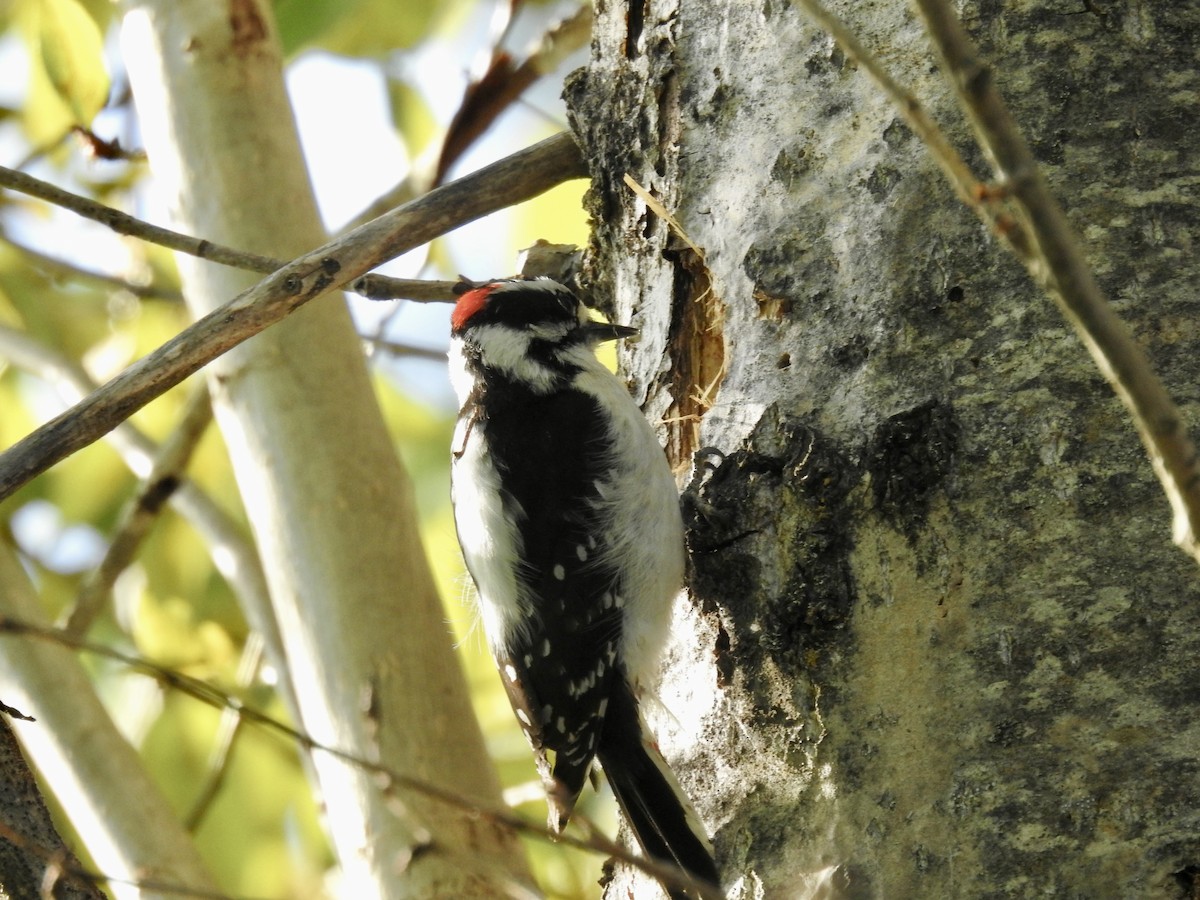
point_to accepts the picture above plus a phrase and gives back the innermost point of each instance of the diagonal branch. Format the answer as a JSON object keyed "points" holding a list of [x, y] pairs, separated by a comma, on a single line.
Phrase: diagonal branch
{"points": [[1057, 263], [232, 554], [1042, 238], [512, 180], [505, 80]]}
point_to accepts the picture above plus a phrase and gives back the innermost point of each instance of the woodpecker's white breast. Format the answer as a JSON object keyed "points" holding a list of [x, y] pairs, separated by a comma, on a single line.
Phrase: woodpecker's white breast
{"points": [[487, 528]]}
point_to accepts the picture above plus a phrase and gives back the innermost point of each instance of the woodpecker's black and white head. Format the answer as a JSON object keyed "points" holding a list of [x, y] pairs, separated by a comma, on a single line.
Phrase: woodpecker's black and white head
{"points": [[532, 331]]}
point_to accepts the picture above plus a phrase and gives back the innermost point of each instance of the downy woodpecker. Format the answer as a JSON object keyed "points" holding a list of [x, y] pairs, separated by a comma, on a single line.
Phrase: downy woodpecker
{"points": [[569, 522]]}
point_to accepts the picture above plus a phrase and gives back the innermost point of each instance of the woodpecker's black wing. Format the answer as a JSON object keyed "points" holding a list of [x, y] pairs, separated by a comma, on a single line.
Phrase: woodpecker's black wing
{"points": [[560, 671]]}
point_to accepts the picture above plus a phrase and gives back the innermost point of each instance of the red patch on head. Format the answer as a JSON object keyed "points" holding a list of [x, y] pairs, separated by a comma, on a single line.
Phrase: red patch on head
{"points": [[468, 304]]}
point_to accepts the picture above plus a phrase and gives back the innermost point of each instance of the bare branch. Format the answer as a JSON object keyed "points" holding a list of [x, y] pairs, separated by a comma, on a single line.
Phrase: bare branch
{"points": [[486, 98], [1058, 264], [374, 287], [408, 351], [381, 287], [123, 223], [474, 117], [232, 555], [228, 730], [1042, 238], [512, 180]]}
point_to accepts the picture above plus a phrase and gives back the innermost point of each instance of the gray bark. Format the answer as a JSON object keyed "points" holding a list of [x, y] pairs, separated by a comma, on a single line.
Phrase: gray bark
{"points": [[938, 641]]}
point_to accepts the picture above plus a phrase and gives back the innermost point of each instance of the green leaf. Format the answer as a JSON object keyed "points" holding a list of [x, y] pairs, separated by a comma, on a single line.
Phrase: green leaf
{"points": [[361, 28], [72, 55], [411, 115], [302, 23]]}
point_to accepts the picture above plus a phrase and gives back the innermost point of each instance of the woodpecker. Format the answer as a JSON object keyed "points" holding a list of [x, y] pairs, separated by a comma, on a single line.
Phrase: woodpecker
{"points": [[569, 521]]}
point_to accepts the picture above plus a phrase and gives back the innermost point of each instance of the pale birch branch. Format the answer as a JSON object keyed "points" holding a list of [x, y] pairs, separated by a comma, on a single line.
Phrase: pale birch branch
{"points": [[80, 752]]}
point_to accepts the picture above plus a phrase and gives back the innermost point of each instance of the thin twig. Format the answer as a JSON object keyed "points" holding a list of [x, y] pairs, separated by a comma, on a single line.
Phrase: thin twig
{"points": [[1058, 264], [373, 287], [228, 730], [510, 181], [473, 118], [123, 223], [141, 512], [381, 287], [408, 351], [1041, 237], [504, 81], [232, 554], [219, 699]]}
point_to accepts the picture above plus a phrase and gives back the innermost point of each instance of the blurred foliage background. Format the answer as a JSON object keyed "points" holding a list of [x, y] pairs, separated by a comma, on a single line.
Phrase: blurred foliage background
{"points": [[376, 85]]}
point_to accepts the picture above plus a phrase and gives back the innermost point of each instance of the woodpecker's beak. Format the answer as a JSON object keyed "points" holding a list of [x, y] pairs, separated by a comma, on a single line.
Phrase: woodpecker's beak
{"points": [[598, 332]]}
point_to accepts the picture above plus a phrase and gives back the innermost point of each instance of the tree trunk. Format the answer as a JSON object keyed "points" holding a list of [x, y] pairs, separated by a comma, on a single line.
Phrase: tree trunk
{"points": [[367, 647], [938, 642]]}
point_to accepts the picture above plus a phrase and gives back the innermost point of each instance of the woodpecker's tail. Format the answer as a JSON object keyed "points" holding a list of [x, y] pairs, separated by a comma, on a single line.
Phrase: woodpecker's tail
{"points": [[655, 806]]}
